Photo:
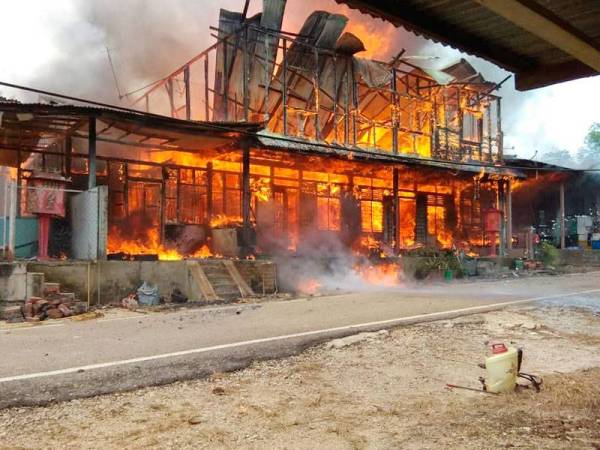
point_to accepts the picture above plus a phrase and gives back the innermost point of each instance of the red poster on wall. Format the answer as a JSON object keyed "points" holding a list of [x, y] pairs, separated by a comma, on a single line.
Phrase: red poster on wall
{"points": [[46, 194]]}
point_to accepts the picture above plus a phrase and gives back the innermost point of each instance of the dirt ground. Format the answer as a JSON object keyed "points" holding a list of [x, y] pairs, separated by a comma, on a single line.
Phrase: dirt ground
{"points": [[386, 391]]}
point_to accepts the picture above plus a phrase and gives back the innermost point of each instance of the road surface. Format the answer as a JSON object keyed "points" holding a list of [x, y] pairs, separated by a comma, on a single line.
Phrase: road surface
{"points": [[59, 360]]}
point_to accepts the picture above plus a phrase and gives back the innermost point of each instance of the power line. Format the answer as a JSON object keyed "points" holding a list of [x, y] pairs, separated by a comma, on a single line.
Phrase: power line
{"points": [[225, 128]]}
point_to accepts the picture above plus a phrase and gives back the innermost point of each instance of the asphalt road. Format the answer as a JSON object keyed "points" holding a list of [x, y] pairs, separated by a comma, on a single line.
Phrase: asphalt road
{"points": [[59, 360]]}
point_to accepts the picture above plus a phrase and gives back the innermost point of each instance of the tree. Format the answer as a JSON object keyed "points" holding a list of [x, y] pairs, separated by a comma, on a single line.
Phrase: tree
{"points": [[559, 157], [589, 154]]}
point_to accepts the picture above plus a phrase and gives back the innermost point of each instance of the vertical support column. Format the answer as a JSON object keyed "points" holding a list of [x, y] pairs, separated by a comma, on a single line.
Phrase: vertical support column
{"points": [[335, 99], [502, 208], [354, 103], [169, 87], [12, 217], [206, 107], [188, 100], [347, 103], [317, 89], [394, 121], [284, 88], [225, 79], [68, 154], [246, 94], [499, 138], [209, 188], [246, 197], [395, 228], [562, 215], [509, 219], [92, 153]]}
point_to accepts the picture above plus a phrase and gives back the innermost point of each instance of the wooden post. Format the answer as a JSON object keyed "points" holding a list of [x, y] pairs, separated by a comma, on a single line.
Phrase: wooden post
{"points": [[284, 88], [169, 87], [225, 80], [562, 215], [394, 119], [188, 100], [395, 210], [502, 208], [317, 93], [499, 131], [509, 223], [246, 94], [246, 197], [335, 99], [206, 107], [92, 153], [354, 103], [347, 103], [68, 154], [209, 196]]}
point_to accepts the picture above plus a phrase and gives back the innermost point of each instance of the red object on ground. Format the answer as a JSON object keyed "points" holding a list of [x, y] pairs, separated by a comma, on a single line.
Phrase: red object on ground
{"points": [[498, 348]]}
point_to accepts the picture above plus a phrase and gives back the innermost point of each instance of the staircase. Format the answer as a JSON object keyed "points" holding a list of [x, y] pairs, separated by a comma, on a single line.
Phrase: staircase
{"points": [[219, 281]]}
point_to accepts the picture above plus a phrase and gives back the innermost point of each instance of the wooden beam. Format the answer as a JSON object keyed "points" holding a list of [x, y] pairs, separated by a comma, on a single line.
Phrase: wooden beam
{"points": [[542, 23], [547, 75]]}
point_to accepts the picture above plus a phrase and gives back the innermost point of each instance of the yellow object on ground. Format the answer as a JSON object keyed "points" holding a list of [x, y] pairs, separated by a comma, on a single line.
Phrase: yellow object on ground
{"points": [[501, 369]]}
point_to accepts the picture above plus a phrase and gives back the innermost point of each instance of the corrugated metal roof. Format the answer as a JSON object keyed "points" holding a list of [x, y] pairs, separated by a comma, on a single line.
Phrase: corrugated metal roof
{"points": [[472, 28]]}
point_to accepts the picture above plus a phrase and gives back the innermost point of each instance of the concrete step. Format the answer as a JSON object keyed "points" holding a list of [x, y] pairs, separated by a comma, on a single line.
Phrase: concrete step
{"points": [[35, 284]]}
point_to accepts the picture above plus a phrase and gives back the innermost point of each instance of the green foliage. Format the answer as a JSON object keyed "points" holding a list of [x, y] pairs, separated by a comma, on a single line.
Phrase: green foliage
{"points": [[590, 152], [548, 254], [432, 261]]}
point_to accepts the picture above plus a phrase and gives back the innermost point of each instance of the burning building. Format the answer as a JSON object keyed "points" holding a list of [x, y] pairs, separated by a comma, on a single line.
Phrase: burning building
{"points": [[269, 143]]}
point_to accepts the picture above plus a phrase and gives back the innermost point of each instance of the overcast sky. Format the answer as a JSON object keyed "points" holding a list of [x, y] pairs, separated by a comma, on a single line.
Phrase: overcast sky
{"points": [[60, 45]]}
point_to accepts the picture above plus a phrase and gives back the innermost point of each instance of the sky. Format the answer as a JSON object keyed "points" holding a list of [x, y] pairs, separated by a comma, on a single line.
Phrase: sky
{"points": [[61, 45]]}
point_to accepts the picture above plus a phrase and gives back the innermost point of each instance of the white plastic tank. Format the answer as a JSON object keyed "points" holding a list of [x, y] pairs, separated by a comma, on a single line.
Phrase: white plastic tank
{"points": [[501, 369]]}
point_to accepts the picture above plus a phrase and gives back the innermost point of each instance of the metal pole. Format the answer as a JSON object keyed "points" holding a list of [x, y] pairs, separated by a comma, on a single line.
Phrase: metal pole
{"points": [[246, 197], [92, 153], [562, 215]]}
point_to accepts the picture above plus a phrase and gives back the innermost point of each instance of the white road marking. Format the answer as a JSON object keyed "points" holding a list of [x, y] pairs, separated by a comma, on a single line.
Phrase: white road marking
{"points": [[28, 327], [389, 322]]}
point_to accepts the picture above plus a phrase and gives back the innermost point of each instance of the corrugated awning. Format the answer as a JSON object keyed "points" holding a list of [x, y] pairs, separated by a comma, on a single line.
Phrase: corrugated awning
{"points": [[290, 144]]}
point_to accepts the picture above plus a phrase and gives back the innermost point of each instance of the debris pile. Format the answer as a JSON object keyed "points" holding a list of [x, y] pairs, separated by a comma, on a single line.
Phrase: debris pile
{"points": [[53, 306]]}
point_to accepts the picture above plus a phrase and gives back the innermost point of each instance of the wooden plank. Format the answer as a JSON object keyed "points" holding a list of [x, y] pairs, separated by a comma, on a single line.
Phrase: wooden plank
{"points": [[236, 276], [206, 289]]}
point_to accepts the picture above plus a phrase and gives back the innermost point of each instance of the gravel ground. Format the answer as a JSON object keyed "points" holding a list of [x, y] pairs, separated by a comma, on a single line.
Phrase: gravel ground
{"points": [[377, 391]]}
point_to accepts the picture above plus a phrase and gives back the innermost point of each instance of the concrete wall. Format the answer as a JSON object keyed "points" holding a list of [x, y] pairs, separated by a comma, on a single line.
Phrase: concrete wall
{"points": [[109, 281], [590, 258], [13, 281]]}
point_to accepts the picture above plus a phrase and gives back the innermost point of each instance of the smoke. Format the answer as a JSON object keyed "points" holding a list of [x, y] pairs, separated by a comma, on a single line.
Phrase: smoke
{"points": [[61, 46]]}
